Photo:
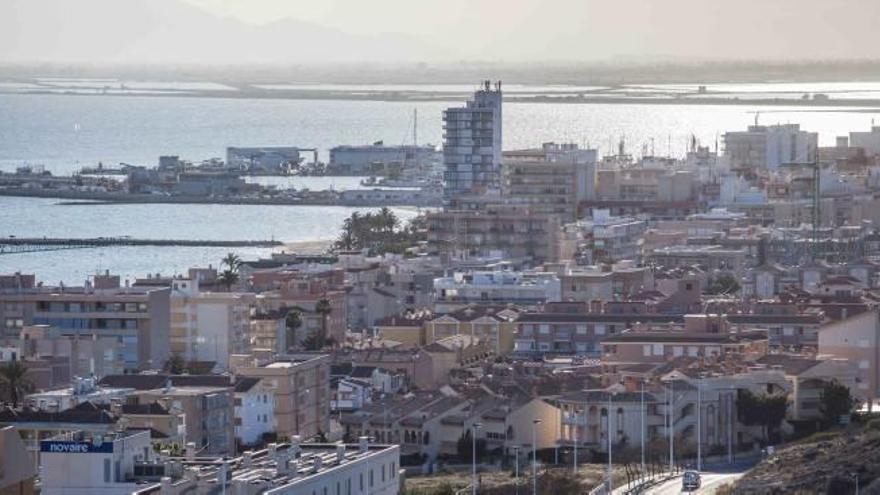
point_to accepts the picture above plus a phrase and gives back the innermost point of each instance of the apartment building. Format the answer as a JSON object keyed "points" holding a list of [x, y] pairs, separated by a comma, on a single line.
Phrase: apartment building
{"points": [[300, 384], [636, 347], [209, 326], [512, 229], [254, 410], [577, 333], [488, 287], [768, 147], [472, 144], [136, 316], [553, 179], [207, 402], [857, 339], [302, 290]]}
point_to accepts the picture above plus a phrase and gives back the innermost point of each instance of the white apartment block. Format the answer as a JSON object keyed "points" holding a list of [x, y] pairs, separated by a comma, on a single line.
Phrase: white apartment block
{"points": [[770, 146], [208, 326], [472, 144]]}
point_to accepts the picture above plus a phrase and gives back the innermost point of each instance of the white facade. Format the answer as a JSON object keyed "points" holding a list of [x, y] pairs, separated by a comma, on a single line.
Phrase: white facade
{"points": [[472, 144], [82, 390], [80, 465], [770, 146], [497, 286], [254, 414], [351, 394], [208, 326]]}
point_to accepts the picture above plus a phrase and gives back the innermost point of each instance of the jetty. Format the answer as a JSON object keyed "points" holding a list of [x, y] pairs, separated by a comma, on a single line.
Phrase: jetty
{"points": [[17, 245]]}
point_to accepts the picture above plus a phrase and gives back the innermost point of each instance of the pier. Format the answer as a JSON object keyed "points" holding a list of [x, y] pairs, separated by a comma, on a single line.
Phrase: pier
{"points": [[17, 245]]}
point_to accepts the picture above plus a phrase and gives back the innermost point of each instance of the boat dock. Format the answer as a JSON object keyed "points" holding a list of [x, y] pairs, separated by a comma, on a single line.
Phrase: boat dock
{"points": [[16, 245]]}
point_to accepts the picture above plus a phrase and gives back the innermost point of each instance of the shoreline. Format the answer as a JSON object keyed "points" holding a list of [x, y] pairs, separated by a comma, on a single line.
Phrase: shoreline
{"points": [[570, 97], [79, 198]]}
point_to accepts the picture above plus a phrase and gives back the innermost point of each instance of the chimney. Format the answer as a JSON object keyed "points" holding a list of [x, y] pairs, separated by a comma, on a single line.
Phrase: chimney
{"points": [[190, 451], [319, 463], [271, 449], [247, 459], [165, 486], [363, 444], [294, 445], [340, 453]]}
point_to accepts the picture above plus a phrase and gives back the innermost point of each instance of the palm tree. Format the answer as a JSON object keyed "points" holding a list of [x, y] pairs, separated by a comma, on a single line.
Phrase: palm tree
{"points": [[231, 261], [228, 278], [387, 219], [323, 308], [292, 321], [17, 384]]}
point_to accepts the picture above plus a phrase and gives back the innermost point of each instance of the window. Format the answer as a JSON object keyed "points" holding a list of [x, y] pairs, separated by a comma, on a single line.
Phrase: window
{"points": [[545, 329], [393, 469], [362, 481], [678, 351], [646, 350], [383, 473], [581, 329], [106, 470], [599, 329], [371, 478], [658, 349]]}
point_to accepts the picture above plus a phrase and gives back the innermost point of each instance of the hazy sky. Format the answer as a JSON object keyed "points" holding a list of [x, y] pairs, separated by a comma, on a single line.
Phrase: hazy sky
{"points": [[435, 30]]}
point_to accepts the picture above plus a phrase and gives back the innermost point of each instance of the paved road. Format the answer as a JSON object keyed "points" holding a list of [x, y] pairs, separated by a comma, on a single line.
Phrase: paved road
{"points": [[710, 483]]}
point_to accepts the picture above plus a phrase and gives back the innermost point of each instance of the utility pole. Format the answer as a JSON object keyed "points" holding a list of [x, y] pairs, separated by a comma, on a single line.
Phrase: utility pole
{"points": [[730, 428], [535, 423], [610, 472], [700, 424], [643, 413], [576, 412], [671, 425], [474, 428]]}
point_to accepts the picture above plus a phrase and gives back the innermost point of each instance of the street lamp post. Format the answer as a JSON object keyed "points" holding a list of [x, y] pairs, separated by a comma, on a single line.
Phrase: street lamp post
{"points": [[516, 468], [671, 425], [700, 424], [535, 423], [474, 428], [644, 412], [608, 422], [576, 439]]}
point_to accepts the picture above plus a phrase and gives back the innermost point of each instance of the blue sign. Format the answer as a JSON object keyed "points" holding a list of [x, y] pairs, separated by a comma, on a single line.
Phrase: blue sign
{"points": [[61, 447]]}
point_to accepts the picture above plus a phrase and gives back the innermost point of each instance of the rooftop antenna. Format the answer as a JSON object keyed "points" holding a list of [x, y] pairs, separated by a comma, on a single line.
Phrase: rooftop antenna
{"points": [[757, 114]]}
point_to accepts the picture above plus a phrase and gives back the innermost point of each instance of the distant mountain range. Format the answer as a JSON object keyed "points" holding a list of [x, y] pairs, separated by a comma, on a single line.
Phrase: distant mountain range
{"points": [[171, 31]]}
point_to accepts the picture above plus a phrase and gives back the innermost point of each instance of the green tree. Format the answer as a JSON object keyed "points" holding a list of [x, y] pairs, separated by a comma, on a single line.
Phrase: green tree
{"points": [[14, 376], [231, 261], [836, 401], [230, 275], [175, 364], [766, 411], [228, 278], [292, 322]]}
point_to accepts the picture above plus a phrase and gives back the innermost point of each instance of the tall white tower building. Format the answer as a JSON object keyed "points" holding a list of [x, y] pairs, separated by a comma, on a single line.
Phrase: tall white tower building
{"points": [[472, 144]]}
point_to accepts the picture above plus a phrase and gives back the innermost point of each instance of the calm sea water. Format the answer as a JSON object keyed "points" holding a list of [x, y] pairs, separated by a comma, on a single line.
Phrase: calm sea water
{"points": [[65, 132]]}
